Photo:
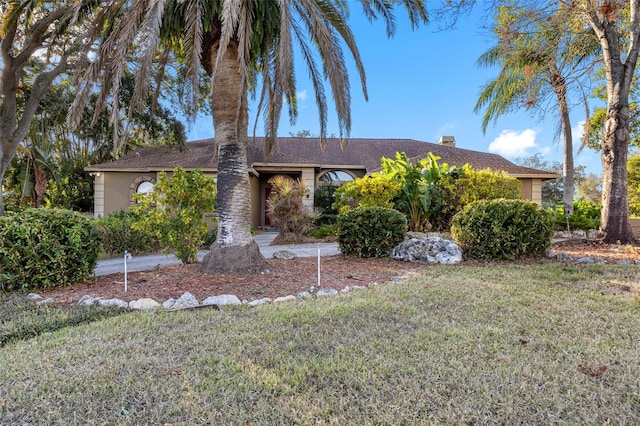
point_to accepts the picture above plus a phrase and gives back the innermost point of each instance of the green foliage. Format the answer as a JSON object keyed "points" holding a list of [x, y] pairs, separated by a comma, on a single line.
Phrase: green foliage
{"points": [[502, 229], [323, 231], [73, 192], [586, 215], [370, 231], [286, 208], [175, 211], [418, 197], [211, 236], [633, 183], [323, 199], [590, 188], [44, 248], [466, 185], [377, 190], [117, 235]]}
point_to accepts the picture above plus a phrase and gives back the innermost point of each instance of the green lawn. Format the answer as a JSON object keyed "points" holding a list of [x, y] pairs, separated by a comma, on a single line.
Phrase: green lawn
{"points": [[457, 345]]}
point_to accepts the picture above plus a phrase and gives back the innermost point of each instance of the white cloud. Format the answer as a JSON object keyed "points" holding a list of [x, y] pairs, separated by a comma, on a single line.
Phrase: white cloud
{"points": [[513, 143], [301, 95], [577, 132]]}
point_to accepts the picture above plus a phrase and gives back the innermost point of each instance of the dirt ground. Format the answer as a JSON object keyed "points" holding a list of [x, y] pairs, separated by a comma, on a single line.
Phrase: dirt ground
{"points": [[285, 277]]}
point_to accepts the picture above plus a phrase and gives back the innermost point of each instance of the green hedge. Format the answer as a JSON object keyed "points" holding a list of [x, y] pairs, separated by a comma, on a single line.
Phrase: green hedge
{"points": [[370, 231], [117, 235], [42, 248], [502, 229]]}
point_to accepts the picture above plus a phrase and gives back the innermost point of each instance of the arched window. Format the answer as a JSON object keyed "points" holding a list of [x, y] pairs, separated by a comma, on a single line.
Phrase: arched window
{"points": [[141, 185], [145, 187], [335, 177]]}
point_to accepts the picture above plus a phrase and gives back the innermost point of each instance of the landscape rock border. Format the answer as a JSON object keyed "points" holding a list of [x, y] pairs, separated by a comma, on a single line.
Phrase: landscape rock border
{"points": [[189, 301]]}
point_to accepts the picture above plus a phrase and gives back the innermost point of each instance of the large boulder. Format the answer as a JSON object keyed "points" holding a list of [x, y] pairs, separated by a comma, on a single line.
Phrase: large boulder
{"points": [[430, 249]]}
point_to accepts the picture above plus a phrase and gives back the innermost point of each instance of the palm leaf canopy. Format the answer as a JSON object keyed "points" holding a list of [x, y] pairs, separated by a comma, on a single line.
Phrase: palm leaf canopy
{"points": [[266, 33]]}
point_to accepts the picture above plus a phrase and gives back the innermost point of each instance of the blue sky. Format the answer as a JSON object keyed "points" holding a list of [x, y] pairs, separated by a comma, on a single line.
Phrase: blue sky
{"points": [[424, 84]]}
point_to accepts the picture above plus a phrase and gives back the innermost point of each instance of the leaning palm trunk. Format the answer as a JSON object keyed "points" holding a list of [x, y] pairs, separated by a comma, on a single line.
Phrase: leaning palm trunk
{"points": [[234, 250], [560, 88]]}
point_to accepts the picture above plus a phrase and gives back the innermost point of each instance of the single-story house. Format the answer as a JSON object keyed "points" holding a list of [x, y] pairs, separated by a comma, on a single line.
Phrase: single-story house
{"points": [[300, 158]]}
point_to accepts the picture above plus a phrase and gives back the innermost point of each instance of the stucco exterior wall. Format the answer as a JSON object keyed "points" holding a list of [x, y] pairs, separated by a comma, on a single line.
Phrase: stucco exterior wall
{"points": [[309, 178], [119, 187], [526, 190], [98, 195], [531, 189]]}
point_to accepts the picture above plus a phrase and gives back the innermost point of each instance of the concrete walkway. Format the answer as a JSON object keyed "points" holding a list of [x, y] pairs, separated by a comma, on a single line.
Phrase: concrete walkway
{"points": [[264, 239]]}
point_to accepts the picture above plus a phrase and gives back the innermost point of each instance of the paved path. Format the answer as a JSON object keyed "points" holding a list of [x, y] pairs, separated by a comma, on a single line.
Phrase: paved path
{"points": [[264, 239]]}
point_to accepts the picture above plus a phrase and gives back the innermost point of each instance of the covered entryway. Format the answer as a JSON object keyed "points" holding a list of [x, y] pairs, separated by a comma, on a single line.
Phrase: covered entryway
{"points": [[265, 179]]}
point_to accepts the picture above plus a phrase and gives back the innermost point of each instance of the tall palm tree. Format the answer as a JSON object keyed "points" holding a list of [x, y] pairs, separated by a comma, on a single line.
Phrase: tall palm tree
{"points": [[546, 56], [240, 43]]}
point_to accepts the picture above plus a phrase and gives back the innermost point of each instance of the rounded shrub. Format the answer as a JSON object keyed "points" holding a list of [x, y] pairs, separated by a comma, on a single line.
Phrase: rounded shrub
{"points": [[43, 248], [370, 231], [502, 229]]}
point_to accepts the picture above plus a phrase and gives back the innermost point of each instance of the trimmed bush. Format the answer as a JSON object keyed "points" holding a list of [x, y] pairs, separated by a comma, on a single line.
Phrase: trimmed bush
{"points": [[370, 231], [502, 229], [465, 185], [117, 235], [44, 248]]}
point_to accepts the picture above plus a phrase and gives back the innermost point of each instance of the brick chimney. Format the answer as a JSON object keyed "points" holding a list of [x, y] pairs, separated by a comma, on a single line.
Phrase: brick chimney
{"points": [[447, 141]]}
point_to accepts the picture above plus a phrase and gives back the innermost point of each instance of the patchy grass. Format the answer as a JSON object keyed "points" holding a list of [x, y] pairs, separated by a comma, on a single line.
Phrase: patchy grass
{"points": [[503, 344], [21, 319]]}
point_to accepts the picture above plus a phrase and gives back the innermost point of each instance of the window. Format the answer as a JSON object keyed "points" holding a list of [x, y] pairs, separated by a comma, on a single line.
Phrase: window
{"points": [[141, 185], [335, 177], [145, 187]]}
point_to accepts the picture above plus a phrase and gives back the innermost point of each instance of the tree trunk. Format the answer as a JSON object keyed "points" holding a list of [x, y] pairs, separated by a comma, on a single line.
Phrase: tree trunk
{"points": [[615, 144], [619, 71], [234, 250], [560, 89]]}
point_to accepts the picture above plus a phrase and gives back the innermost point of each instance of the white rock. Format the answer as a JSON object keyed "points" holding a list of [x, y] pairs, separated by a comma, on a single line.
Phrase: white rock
{"points": [[351, 288], [260, 301], [327, 292], [187, 300], [168, 304], [304, 295], [562, 234], [223, 299], [284, 254], [593, 234], [113, 302], [145, 304], [284, 299], [47, 301], [430, 249], [579, 234], [33, 297], [87, 300]]}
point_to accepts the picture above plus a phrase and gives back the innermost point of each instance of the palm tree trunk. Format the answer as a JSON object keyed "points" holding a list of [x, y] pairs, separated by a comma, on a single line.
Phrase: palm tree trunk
{"points": [[234, 250], [560, 88]]}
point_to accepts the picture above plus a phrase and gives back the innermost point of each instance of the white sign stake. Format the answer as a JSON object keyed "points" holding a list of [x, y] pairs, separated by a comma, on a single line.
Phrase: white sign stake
{"points": [[127, 256], [318, 266]]}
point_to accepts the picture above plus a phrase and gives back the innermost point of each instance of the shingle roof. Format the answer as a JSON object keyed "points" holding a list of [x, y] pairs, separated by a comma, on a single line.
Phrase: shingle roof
{"points": [[306, 151]]}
